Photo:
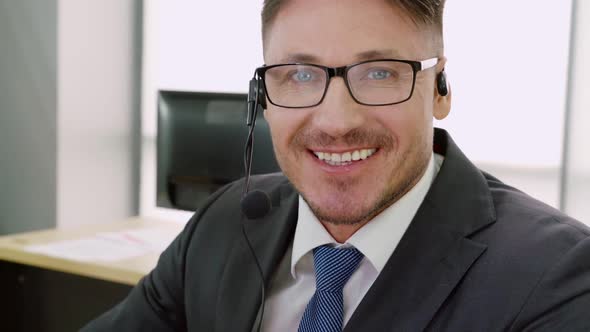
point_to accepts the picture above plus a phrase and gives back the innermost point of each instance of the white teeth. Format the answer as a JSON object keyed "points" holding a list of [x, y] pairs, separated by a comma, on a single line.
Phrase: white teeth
{"points": [[346, 157], [364, 154], [338, 159]]}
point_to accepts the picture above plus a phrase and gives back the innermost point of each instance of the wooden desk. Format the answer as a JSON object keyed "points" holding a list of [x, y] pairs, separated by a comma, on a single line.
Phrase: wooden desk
{"points": [[42, 293], [127, 271]]}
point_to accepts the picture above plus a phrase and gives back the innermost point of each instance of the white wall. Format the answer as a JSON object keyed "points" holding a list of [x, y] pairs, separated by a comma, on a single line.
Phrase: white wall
{"points": [[69, 112], [98, 111], [508, 70], [28, 68], [576, 200], [507, 67]]}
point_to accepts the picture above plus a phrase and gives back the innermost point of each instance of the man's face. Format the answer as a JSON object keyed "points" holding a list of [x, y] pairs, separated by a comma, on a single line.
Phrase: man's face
{"points": [[338, 33]]}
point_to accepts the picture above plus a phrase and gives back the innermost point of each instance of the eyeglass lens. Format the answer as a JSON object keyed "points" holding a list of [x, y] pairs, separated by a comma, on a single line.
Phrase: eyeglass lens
{"points": [[372, 83]]}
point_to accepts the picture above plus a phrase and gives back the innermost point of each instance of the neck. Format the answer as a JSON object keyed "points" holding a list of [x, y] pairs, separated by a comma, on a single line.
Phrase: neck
{"points": [[341, 233]]}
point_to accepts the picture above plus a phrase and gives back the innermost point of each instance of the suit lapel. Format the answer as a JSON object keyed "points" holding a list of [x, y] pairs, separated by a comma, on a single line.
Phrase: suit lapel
{"points": [[419, 276], [240, 288], [434, 253]]}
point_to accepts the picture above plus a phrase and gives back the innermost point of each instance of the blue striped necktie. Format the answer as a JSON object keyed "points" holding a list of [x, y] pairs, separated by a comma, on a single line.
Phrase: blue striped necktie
{"points": [[333, 268]]}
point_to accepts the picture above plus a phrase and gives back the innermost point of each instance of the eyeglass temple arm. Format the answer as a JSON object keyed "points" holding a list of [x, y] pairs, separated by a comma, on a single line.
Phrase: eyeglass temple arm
{"points": [[428, 63]]}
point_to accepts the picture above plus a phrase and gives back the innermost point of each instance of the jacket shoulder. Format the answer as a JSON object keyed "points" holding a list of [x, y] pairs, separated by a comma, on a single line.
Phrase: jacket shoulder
{"points": [[546, 256], [523, 213]]}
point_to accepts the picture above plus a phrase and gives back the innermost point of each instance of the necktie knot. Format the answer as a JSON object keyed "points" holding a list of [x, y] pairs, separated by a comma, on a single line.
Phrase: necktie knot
{"points": [[333, 267]]}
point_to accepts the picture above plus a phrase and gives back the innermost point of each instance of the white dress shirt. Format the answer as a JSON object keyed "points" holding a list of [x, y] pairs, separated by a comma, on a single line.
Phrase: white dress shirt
{"points": [[294, 282]]}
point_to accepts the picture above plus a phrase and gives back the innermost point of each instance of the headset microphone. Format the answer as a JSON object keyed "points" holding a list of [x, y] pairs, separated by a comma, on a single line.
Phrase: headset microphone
{"points": [[255, 204]]}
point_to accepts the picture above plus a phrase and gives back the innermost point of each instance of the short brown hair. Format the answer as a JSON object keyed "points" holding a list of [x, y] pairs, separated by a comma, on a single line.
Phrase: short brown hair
{"points": [[422, 12]]}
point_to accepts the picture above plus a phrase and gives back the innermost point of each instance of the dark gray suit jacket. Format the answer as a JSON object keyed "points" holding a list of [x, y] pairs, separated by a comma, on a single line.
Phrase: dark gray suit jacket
{"points": [[478, 256]]}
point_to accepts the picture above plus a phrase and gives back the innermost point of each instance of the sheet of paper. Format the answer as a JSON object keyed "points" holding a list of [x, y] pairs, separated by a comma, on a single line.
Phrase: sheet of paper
{"points": [[111, 246], [153, 238]]}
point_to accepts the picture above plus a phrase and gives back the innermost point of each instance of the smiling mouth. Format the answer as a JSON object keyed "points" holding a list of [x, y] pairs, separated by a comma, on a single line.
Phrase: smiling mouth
{"points": [[346, 158]]}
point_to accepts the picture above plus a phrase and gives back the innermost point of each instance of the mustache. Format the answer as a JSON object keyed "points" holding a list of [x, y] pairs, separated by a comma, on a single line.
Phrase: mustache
{"points": [[355, 137]]}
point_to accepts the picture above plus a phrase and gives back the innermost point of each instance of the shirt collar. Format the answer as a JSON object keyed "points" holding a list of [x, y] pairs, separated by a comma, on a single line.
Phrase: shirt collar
{"points": [[378, 238]]}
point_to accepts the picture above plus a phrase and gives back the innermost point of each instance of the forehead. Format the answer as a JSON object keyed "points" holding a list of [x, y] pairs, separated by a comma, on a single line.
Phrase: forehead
{"points": [[339, 32]]}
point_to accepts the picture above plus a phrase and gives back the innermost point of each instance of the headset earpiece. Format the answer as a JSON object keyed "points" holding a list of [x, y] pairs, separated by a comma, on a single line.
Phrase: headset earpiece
{"points": [[441, 83], [261, 94], [252, 96], [256, 98]]}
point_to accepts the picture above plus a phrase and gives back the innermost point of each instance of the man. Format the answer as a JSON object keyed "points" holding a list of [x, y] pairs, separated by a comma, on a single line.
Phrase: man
{"points": [[379, 223]]}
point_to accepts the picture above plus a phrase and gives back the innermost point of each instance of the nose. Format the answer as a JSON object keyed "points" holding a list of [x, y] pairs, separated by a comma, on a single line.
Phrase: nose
{"points": [[338, 113]]}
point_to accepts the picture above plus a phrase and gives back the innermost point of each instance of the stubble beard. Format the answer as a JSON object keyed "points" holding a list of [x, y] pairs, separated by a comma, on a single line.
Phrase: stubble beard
{"points": [[411, 164]]}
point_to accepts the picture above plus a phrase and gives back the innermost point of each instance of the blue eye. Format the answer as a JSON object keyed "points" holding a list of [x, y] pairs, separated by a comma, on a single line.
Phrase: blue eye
{"points": [[379, 74], [302, 76]]}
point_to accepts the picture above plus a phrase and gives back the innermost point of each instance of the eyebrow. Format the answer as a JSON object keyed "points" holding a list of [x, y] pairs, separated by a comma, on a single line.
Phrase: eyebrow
{"points": [[362, 56]]}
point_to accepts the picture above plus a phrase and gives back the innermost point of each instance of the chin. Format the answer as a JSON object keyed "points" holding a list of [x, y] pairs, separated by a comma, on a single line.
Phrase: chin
{"points": [[341, 208]]}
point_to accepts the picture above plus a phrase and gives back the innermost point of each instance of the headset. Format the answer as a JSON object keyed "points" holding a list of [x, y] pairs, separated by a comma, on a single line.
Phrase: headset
{"points": [[257, 204], [254, 204], [441, 83]]}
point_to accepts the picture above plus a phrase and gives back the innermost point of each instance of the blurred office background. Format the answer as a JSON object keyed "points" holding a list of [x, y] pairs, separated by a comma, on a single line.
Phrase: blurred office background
{"points": [[79, 82]]}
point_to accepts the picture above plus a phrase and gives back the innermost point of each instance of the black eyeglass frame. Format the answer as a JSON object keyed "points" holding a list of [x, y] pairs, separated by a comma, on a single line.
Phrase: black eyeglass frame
{"points": [[342, 71]]}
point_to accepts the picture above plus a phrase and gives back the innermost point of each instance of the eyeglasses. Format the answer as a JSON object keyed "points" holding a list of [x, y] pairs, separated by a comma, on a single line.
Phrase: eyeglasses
{"points": [[373, 83]]}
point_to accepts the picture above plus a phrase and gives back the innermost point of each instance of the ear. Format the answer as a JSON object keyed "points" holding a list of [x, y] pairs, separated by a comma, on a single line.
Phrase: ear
{"points": [[442, 104]]}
